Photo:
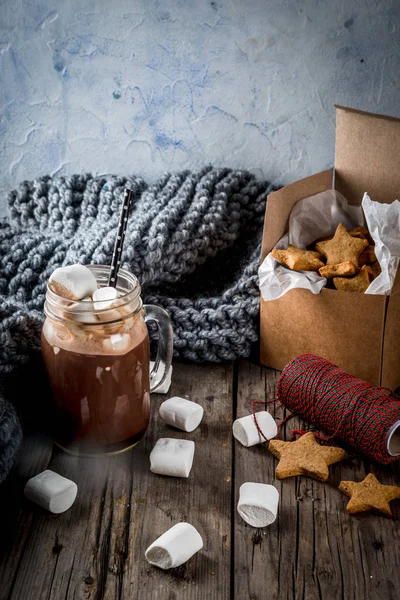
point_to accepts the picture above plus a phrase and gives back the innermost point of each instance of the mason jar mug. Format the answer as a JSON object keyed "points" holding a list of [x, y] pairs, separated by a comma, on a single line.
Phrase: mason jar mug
{"points": [[97, 360]]}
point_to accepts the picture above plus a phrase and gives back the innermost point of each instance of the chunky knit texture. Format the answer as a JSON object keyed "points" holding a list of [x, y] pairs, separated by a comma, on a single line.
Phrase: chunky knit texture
{"points": [[193, 240], [10, 437]]}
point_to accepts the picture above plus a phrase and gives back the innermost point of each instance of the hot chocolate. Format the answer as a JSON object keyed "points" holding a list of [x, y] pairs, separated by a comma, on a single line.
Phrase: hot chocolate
{"points": [[96, 353], [100, 382]]}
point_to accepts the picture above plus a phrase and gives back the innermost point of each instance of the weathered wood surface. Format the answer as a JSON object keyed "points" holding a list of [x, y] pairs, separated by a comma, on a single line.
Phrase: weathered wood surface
{"points": [[314, 550], [95, 551]]}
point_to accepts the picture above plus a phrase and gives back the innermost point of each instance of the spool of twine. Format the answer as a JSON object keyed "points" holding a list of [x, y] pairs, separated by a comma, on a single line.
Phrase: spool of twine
{"points": [[364, 417]]}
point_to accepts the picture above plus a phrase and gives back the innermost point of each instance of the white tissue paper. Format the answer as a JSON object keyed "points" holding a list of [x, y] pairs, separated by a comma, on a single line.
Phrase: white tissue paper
{"points": [[383, 221], [312, 218]]}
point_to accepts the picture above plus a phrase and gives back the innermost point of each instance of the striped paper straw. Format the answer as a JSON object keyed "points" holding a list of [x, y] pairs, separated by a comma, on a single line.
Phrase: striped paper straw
{"points": [[119, 240]]}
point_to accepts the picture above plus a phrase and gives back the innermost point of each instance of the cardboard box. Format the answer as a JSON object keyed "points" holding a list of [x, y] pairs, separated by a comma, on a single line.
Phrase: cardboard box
{"points": [[358, 332]]}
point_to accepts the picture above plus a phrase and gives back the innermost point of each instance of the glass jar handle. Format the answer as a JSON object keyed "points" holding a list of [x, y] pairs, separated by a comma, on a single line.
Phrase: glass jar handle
{"points": [[165, 344]]}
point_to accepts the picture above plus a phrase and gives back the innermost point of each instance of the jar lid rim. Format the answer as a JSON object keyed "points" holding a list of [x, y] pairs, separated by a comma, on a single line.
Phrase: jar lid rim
{"points": [[55, 302]]}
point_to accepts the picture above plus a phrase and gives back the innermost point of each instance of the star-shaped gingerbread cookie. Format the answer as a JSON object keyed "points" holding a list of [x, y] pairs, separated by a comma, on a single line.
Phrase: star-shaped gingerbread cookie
{"points": [[359, 283], [341, 247], [344, 269], [304, 457], [297, 259], [369, 495], [360, 232]]}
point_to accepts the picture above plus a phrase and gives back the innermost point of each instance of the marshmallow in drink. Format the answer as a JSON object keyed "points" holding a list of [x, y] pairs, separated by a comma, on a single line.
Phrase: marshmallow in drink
{"points": [[74, 282], [51, 491], [181, 413], [117, 343], [104, 297], [172, 457], [174, 547], [258, 503], [246, 432], [166, 384], [83, 313]]}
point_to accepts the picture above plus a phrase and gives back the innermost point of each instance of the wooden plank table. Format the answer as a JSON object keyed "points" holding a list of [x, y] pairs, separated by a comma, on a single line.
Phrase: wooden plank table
{"points": [[96, 549]]}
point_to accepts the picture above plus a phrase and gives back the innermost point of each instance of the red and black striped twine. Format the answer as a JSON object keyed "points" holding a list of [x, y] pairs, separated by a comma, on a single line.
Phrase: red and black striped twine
{"points": [[348, 409]]}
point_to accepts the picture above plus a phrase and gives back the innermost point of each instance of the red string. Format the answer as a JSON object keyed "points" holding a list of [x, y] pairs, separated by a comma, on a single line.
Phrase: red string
{"points": [[303, 431], [347, 408], [255, 416], [281, 424]]}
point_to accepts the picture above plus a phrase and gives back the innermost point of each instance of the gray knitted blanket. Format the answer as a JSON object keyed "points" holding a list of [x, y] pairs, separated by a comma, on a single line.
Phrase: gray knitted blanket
{"points": [[193, 240]]}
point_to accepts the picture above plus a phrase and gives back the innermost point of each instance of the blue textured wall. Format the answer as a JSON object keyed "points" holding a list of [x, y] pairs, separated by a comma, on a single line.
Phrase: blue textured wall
{"points": [[147, 86]]}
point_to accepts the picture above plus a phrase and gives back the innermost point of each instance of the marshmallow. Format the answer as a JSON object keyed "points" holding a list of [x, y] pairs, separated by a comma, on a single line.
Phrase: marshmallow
{"points": [[49, 333], [87, 316], [246, 432], [172, 457], [74, 282], [164, 387], [51, 491], [117, 342], [258, 504], [174, 547], [104, 297], [181, 413]]}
